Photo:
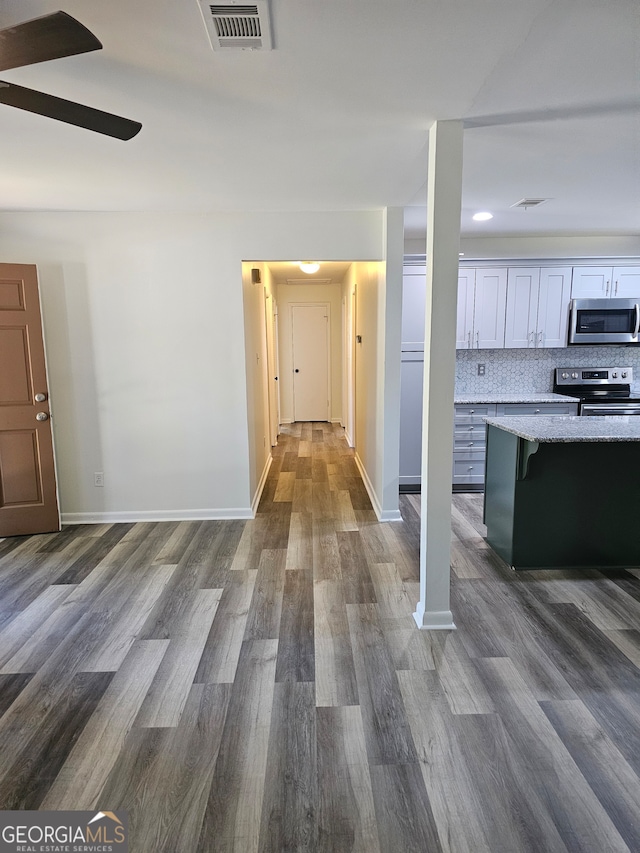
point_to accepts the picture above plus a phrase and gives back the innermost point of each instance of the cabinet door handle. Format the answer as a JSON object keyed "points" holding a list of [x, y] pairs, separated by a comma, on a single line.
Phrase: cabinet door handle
{"points": [[540, 337], [477, 340], [469, 341], [606, 291], [616, 291]]}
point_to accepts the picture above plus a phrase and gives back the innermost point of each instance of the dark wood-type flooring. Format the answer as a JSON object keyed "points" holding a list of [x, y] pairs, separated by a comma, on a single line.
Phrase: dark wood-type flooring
{"points": [[261, 686]]}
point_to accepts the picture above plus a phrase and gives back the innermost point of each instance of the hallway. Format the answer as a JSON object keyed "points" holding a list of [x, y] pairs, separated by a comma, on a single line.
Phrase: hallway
{"points": [[261, 686]]}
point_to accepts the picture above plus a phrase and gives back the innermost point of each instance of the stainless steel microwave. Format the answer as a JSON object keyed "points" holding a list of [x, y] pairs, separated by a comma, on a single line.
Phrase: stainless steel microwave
{"points": [[604, 321]]}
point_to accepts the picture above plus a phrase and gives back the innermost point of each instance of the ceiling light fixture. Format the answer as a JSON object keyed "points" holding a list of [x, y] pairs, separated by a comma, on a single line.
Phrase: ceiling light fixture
{"points": [[483, 216], [309, 266]]}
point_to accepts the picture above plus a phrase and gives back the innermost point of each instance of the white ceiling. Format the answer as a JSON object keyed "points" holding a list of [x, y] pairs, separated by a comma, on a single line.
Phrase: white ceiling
{"points": [[288, 272], [337, 116]]}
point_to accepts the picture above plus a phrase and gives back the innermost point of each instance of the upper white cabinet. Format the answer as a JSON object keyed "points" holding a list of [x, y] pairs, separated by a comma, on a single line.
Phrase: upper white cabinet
{"points": [[537, 310], [466, 297], [481, 308], [605, 282], [414, 290]]}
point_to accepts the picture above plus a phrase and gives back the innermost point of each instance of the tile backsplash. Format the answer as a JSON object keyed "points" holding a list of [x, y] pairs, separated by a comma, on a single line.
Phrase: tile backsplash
{"points": [[514, 370]]}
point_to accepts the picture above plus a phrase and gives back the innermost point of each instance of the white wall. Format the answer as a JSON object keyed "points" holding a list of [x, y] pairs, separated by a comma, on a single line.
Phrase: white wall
{"points": [[287, 295], [377, 368], [143, 317], [514, 247]]}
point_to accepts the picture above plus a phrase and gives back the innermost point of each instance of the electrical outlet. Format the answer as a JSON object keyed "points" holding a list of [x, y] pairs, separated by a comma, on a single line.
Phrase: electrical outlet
{"points": [[481, 370], [98, 479]]}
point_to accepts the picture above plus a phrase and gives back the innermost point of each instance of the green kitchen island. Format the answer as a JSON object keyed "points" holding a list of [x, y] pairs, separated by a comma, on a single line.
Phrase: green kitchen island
{"points": [[563, 492]]}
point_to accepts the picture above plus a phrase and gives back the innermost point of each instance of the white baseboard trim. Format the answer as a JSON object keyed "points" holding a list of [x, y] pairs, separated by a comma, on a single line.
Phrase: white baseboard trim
{"points": [[286, 421], [263, 480], [127, 517], [348, 437], [382, 515], [433, 620], [336, 421], [391, 515], [369, 487]]}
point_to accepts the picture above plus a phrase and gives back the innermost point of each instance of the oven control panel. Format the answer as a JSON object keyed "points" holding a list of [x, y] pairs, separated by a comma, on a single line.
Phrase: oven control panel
{"points": [[593, 376]]}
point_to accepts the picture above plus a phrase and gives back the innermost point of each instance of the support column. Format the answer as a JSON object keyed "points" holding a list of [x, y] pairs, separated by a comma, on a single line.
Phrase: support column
{"points": [[389, 363], [444, 191]]}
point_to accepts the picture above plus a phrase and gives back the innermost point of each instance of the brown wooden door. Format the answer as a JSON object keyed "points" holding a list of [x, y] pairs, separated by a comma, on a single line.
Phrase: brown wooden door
{"points": [[28, 500]]}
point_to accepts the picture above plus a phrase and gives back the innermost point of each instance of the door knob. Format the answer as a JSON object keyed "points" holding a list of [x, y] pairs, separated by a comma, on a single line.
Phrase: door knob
{"points": [[42, 416], [296, 370], [40, 398]]}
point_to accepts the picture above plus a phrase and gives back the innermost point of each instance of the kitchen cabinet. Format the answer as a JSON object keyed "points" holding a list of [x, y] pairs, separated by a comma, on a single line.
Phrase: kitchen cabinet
{"points": [[481, 308], [414, 294], [414, 290], [537, 307], [563, 498], [411, 378], [519, 410], [470, 435], [470, 442], [605, 282]]}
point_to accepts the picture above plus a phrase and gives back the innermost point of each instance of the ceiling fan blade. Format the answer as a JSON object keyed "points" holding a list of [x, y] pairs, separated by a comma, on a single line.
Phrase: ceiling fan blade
{"points": [[40, 39], [67, 111]]}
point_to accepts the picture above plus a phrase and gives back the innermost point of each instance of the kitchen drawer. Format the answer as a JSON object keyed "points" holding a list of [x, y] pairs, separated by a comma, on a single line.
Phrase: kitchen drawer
{"points": [[468, 467], [469, 442], [520, 409], [473, 414], [475, 431]]}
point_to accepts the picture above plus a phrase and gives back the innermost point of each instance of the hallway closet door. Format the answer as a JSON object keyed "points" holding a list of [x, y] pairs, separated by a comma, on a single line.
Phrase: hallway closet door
{"points": [[310, 344]]}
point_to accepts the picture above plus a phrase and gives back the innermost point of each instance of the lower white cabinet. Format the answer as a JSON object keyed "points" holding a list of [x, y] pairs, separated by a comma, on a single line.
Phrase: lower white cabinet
{"points": [[470, 435]]}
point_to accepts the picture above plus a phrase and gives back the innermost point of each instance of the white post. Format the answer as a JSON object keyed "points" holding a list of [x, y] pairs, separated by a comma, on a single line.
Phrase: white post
{"points": [[444, 191], [389, 365]]}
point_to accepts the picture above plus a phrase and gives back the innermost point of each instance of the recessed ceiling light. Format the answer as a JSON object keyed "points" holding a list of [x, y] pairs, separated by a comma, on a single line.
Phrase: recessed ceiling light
{"points": [[309, 266], [482, 216]]}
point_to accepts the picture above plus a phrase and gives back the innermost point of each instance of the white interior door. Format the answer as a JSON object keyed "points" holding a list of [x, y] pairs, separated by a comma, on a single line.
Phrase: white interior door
{"points": [[310, 329]]}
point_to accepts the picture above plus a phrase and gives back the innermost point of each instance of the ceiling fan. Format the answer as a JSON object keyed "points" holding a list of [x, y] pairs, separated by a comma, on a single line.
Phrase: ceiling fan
{"points": [[51, 37]]}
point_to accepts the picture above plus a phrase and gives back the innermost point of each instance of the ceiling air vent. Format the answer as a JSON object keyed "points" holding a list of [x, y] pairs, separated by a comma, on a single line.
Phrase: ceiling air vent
{"points": [[529, 202], [239, 26]]}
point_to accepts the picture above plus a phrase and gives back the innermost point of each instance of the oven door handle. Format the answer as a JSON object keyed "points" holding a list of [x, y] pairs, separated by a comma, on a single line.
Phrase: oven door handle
{"points": [[637, 328], [604, 410]]}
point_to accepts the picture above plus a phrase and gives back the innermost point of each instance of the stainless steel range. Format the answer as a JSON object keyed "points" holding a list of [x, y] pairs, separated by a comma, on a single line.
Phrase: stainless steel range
{"points": [[601, 390]]}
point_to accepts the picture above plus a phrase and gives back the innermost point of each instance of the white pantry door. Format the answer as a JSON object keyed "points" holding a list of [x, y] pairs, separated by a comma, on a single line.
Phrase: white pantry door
{"points": [[310, 325]]}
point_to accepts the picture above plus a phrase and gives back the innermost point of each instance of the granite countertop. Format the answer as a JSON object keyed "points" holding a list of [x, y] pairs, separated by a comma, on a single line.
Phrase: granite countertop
{"points": [[521, 397], [571, 429]]}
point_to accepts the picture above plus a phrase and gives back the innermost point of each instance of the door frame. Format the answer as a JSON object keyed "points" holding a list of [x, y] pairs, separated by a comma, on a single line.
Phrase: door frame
{"points": [[273, 391], [327, 307]]}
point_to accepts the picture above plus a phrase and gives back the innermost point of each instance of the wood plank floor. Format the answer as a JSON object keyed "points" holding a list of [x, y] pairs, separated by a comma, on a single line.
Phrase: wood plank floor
{"points": [[261, 686]]}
